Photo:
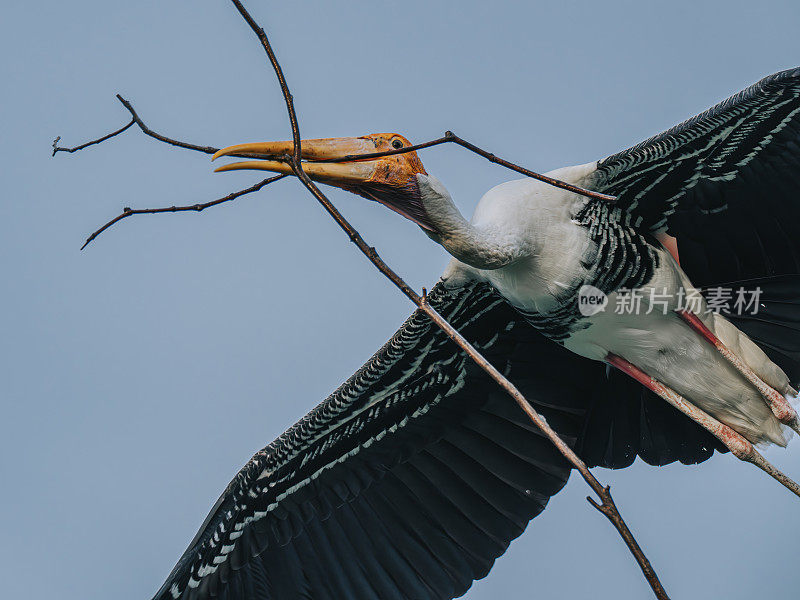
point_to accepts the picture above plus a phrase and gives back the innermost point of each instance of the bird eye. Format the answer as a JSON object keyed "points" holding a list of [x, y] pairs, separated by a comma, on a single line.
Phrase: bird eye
{"points": [[397, 144]]}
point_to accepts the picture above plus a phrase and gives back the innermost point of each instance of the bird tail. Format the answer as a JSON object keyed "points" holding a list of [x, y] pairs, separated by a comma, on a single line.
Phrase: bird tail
{"points": [[771, 318]]}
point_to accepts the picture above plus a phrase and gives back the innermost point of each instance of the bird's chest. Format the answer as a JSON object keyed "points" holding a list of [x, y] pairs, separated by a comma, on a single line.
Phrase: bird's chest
{"points": [[575, 263], [546, 279]]}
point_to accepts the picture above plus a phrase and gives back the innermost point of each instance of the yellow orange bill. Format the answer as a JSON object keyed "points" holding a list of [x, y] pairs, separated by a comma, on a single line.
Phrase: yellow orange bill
{"points": [[343, 174], [319, 149]]}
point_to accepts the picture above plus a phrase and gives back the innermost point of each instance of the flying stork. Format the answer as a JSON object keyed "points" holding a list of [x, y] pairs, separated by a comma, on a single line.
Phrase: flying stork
{"points": [[415, 475]]}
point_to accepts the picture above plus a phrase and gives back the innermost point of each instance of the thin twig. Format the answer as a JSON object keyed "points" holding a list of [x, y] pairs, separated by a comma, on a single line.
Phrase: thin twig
{"points": [[57, 148], [137, 120], [127, 212], [162, 138], [607, 506], [450, 137], [287, 95]]}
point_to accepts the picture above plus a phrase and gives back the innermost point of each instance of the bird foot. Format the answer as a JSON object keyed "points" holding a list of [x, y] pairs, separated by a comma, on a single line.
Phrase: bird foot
{"points": [[739, 446], [777, 402]]}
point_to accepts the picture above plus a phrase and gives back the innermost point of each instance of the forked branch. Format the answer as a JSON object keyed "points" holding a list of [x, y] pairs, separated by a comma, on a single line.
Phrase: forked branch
{"points": [[129, 212], [607, 505], [294, 160]]}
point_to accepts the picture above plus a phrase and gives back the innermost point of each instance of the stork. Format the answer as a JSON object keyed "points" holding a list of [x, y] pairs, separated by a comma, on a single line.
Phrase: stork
{"points": [[415, 475]]}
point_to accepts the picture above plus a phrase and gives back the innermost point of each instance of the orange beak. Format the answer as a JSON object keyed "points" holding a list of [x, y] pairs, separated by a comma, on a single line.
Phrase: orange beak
{"points": [[390, 180], [341, 174]]}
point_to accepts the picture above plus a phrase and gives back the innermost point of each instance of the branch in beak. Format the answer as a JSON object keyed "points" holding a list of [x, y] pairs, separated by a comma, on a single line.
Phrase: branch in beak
{"points": [[342, 175], [390, 180]]}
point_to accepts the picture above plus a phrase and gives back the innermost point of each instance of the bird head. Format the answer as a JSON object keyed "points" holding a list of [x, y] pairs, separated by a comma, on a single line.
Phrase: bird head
{"points": [[390, 180]]}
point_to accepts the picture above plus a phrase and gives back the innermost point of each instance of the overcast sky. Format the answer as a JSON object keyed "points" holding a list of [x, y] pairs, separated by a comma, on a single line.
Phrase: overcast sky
{"points": [[137, 376]]}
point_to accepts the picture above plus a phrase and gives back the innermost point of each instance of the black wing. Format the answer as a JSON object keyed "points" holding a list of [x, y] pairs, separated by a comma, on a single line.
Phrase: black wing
{"points": [[725, 183], [416, 474]]}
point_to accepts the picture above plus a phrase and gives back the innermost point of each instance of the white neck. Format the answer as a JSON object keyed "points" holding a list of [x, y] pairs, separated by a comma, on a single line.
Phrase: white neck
{"points": [[480, 247]]}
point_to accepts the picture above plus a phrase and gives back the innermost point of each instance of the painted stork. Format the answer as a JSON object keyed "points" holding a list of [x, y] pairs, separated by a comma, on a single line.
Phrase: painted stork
{"points": [[415, 475]]}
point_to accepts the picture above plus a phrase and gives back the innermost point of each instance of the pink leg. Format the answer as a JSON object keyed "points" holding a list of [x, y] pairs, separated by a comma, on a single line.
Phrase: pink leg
{"points": [[780, 407], [736, 443]]}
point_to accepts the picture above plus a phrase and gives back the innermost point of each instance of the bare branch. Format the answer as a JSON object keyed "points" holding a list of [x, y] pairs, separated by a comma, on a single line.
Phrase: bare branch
{"points": [[127, 212], [449, 136], [162, 138], [297, 167], [57, 148], [509, 165], [137, 120], [608, 507], [287, 95]]}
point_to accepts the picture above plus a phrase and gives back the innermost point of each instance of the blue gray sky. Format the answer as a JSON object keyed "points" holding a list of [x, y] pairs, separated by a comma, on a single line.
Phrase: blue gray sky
{"points": [[137, 376]]}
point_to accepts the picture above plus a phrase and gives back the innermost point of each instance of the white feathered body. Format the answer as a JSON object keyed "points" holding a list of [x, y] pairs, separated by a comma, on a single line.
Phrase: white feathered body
{"points": [[539, 220]]}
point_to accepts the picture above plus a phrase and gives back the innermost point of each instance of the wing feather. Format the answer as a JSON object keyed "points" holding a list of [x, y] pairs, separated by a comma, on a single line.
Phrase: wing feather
{"points": [[724, 183], [416, 474]]}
